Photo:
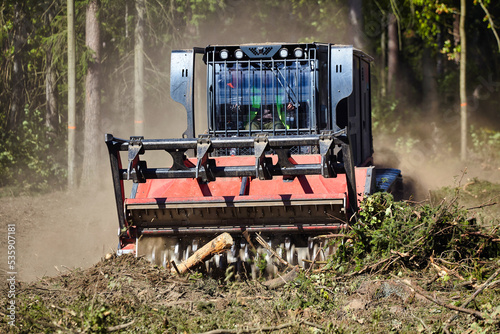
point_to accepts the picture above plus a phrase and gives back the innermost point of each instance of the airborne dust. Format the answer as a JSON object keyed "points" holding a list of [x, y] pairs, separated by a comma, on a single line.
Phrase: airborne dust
{"points": [[60, 231]]}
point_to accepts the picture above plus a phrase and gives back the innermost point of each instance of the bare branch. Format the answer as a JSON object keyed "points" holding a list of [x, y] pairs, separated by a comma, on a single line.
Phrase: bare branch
{"points": [[473, 296], [490, 20], [421, 292], [120, 327], [252, 330], [266, 246]]}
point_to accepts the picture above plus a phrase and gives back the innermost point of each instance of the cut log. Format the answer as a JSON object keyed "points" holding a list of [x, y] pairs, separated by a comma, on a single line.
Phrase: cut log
{"points": [[282, 280], [216, 246]]}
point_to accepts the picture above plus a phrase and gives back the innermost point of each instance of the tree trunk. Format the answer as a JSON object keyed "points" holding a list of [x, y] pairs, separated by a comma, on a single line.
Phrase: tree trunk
{"points": [[392, 61], [463, 88], [126, 19], [139, 70], [92, 135], [51, 112], [356, 18], [383, 60], [71, 94], [16, 112], [429, 83]]}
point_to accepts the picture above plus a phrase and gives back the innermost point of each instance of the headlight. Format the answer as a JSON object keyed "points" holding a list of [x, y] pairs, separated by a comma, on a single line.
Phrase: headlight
{"points": [[224, 54], [284, 53], [238, 54], [298, 52]]}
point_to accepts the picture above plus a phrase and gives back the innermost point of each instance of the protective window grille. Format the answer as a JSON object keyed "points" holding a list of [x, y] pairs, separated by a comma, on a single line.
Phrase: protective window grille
{"points": [[266, 95]]}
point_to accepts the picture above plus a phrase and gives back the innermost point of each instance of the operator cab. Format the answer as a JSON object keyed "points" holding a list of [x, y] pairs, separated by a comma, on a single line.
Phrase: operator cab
{"points": [[281, 89]]}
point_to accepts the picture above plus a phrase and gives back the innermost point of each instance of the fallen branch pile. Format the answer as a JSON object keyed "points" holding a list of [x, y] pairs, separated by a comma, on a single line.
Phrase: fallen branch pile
{"points": [[398, 233]]}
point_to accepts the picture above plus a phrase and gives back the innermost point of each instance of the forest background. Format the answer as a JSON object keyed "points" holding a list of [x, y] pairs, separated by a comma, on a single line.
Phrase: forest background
{"points": [[122, 75]]}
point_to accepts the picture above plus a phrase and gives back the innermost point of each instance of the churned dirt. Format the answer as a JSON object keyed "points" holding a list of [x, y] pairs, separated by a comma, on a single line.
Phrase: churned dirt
{"points": [[130, 295]]}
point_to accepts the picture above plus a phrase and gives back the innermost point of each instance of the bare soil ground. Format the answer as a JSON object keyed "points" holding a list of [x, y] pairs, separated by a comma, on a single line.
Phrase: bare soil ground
{"points": [[64, 284]]}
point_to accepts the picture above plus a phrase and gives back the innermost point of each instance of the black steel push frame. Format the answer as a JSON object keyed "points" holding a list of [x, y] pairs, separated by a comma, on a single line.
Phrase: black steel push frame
{"points": [[333, 147]]}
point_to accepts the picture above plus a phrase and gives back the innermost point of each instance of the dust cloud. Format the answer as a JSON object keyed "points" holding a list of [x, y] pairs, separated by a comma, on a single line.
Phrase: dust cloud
{"points": [[68, 230], [237, 24], [429, 159], [60, 231]]}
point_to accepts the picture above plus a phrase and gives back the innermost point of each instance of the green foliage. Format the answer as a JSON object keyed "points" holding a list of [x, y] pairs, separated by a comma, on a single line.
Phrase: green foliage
{"points": [[32, 159], [486, 144], [407, 144], [386, 115], [390, 232], [450, 50], [96, 319], [431, 17], [309, 291], [261, 262]]}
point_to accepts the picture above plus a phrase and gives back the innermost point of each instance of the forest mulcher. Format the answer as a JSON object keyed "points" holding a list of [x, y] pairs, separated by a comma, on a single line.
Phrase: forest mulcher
{"points": [[285, 151], [447, 284]]}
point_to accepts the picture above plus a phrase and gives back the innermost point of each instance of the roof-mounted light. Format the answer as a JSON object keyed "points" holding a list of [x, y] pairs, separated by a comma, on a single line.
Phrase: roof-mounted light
{"points": [[298, 53], [224, 54], [284, 53], [238, 54]]}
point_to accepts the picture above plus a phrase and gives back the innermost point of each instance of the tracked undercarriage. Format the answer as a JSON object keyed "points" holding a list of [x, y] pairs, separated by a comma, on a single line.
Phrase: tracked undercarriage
{"points": [[287, 155]]}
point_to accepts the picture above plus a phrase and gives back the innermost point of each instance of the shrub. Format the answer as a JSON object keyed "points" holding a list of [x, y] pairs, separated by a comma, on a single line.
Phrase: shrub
{"points": [[31, 158], [486, 145]]}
